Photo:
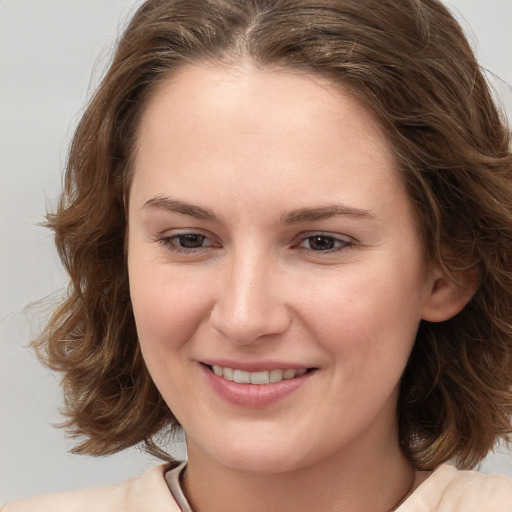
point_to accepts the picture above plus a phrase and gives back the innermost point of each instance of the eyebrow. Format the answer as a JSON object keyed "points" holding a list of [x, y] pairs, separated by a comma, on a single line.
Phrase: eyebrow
{"points": [[173, 205], [324, 212], [292, 217]]}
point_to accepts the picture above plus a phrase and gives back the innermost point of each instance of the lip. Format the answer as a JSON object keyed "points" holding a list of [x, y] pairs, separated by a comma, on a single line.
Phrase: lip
{"points": [[253, 396], [258, 366]]}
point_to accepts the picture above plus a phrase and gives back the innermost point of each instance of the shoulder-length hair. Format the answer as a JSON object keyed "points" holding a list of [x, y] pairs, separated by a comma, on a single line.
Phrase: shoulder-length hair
{"points": [[410, 63]]}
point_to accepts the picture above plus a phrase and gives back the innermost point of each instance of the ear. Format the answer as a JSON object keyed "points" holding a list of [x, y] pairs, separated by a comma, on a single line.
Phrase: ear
{"points": [[449, 293]]}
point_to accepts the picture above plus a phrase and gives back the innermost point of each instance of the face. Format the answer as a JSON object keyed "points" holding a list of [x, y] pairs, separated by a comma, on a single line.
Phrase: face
{"points": [[276, 274]]}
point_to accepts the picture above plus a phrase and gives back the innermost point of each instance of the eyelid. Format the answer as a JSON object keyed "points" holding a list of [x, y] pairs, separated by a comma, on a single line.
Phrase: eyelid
{"points": [[338, 236], [166, 239], [347, 241]]}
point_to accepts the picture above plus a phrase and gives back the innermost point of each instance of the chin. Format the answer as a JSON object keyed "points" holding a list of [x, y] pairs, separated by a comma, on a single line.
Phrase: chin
{"points": [[261, 464], [260, 457]]}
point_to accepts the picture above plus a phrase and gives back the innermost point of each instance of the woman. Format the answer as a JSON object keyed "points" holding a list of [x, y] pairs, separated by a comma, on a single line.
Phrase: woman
{"points": [[290, 224]]}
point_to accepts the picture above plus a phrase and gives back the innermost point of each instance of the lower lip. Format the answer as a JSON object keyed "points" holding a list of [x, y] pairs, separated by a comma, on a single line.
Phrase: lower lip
{"points": [[255, 396]]}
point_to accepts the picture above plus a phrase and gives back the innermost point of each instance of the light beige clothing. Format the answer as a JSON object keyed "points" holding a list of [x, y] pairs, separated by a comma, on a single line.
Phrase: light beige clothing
{"points": [[450, 490], [445, 490], [147, 493]]}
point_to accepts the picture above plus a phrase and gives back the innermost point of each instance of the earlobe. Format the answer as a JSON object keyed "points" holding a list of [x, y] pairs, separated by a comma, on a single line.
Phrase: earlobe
{"points": [[449, 294]]}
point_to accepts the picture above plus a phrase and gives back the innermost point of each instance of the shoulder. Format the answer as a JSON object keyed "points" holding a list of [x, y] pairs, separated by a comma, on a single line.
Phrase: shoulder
{"points": [[448, 489], [147, 492]]}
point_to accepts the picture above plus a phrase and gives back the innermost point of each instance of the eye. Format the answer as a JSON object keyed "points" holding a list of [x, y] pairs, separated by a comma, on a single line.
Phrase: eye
{"points": [[320, 242], [189, 241], [186, 242]]}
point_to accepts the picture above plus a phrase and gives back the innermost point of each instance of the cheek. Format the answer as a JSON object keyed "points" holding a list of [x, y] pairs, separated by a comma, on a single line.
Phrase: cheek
{"points": [[168, 306], [167, 316], [366, 317]]}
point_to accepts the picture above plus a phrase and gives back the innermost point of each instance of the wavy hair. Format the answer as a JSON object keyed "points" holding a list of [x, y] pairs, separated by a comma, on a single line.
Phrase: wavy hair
{"points": [[409, 62]]}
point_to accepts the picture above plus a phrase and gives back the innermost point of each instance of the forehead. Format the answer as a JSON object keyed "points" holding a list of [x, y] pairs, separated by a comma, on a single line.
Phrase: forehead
{"points": [[262, 130], [274, 97]]}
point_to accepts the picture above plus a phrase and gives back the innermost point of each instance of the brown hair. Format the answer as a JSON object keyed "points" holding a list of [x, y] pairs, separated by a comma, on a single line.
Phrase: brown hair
{"points": [[409, 61]]}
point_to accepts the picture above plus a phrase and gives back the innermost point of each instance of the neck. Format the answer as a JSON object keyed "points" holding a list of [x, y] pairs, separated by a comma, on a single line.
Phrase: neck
{"points": [[370, 478]]}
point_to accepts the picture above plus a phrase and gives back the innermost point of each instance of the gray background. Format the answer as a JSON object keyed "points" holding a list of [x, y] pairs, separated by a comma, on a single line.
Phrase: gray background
{"points": [[47, 51]]}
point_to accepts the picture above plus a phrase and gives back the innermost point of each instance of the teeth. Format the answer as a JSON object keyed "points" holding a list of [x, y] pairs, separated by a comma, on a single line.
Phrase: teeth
{"points": [[276, 375], [242, 377], [264, 377], [260, 378], [289, 374], [227, 373]]}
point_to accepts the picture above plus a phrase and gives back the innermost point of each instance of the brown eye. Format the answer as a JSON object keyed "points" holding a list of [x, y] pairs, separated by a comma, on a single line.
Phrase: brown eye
{"points": [[186, 242], [321, 243], [190, 241], [324, 243]]}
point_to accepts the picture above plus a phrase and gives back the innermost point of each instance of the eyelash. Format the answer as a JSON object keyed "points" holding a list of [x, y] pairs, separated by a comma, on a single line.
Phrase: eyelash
{"points": [[170, 242], [340, 243]]}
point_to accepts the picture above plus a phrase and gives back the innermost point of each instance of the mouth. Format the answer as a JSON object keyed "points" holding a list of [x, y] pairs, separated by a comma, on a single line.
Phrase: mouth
{"points": [[255, 385], [260, 377]]}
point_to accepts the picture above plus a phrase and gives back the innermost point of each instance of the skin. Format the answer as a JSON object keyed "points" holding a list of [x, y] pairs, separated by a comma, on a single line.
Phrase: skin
{"points": [[276, 159]]}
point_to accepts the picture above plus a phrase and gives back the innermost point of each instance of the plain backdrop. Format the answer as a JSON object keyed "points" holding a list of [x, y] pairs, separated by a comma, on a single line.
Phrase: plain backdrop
{"points": [[52, 53]]}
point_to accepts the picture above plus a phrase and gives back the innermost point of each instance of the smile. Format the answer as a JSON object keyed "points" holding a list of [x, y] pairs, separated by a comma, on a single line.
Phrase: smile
{"points": [[258, 388], [260, 378]]}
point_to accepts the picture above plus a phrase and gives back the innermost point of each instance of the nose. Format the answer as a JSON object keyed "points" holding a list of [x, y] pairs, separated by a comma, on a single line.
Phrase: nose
{"points": [[251, 301]]}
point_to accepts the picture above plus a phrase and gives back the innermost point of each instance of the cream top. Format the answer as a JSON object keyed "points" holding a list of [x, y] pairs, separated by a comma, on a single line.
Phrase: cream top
{"points": [[445, 490]]}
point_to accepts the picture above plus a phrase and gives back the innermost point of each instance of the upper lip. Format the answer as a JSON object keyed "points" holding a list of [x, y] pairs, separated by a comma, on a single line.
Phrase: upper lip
{"points": [[254, 366]]}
